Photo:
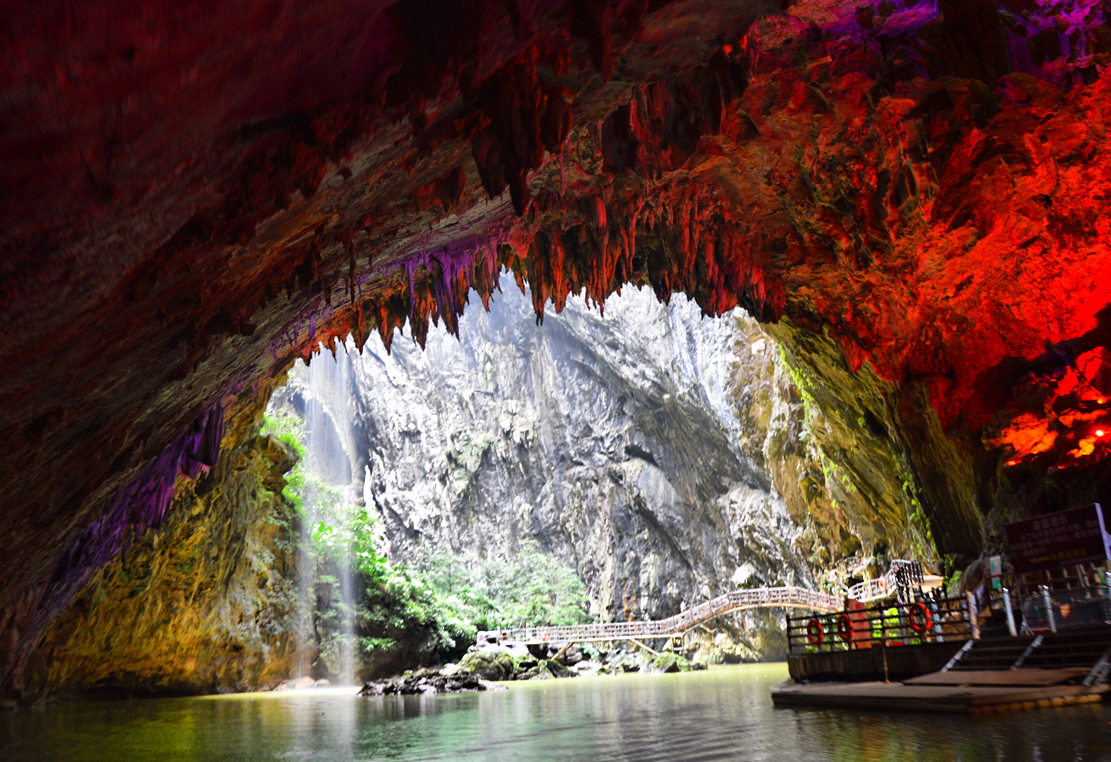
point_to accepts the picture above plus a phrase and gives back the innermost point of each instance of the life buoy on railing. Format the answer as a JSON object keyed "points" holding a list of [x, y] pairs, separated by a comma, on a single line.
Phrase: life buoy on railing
{"points": [[844, 628], [919, 617], [814, 632]]}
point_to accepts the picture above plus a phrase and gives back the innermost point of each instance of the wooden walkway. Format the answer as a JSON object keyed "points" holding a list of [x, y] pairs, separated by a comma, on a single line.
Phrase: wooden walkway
{"points": [[738, 600]]}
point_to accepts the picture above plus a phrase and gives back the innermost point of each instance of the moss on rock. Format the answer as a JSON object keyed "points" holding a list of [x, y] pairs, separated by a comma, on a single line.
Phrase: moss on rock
{"points": [[490, 665]]}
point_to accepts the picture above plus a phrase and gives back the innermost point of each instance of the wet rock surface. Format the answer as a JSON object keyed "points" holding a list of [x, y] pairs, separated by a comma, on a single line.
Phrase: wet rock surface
{"points": [[494, 664], [428, 682], [478, 670], [176, 614]]}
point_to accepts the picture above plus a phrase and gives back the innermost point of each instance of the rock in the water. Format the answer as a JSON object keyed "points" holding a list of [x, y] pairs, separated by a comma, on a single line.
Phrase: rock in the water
{"points": [[489, 665], [670, 662], [550, 669], [626, 662], [424, 684]]}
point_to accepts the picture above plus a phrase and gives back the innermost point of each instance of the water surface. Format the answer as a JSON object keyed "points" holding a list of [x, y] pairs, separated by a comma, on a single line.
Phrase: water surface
{"points": [[722, 714]]}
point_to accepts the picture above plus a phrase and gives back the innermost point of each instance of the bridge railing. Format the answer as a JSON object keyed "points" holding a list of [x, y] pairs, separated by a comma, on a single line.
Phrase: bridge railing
{"points": [[901, 577], [888, 624], [737, 600], [901, 574]]}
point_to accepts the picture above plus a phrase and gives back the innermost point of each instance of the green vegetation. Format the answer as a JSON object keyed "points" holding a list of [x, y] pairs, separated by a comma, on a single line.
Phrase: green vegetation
{"points": [[426, 611], [445, 601], [289, 430], [433, 609], [533, 588]]}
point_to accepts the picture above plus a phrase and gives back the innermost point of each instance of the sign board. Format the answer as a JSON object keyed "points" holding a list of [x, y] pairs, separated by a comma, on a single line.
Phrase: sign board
{"points": [[996, 565], [1060, 539]]}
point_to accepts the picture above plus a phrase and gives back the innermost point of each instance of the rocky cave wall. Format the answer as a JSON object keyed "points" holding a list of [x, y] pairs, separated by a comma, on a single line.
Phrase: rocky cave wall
{"points": [[193, 199], [635, 445], [205, 603], [611, 441], [663, 456]]}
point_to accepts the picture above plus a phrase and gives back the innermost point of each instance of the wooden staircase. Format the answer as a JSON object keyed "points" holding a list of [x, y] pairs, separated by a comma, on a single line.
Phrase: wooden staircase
{"points": [[1085, 653]]}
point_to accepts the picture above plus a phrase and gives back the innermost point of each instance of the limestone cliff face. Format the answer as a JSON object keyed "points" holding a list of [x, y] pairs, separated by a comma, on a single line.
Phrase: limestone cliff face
{"points": [[613, 441], [841, 449]]}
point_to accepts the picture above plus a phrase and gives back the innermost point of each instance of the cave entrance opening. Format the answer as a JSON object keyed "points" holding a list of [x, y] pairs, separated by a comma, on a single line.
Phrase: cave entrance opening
{"points": [[603, 466]]}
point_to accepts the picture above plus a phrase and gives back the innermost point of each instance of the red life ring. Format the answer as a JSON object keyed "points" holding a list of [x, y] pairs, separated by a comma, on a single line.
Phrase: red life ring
{"points": [[919, 617], [814, 631], [845, 627]]}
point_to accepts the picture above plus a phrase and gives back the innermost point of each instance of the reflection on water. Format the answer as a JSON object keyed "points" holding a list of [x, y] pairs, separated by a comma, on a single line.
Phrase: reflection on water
{"points": [[723, 714]]}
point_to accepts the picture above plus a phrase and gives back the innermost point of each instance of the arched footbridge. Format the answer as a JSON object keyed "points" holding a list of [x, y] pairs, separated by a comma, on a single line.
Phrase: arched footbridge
{"points": [[737, 600], [901, 575]]}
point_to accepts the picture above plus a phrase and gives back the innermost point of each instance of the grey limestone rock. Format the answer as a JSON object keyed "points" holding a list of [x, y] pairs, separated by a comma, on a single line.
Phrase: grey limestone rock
{"points": [[611, 440]]}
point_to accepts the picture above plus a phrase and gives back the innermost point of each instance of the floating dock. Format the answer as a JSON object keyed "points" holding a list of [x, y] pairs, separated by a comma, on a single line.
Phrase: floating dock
{"points": [[999, 674], [975, 693]]}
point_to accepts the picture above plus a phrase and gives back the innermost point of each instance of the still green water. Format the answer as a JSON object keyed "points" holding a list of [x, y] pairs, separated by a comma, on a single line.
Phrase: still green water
{"points": [[722, 714]]}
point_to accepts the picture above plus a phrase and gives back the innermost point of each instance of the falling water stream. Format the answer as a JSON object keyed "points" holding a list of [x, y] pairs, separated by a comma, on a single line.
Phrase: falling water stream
{"points": [[328, 507]]}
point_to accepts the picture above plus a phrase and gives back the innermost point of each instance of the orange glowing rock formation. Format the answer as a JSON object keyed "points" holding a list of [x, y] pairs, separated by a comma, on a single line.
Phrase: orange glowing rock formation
{"points": [[1072, 419]]}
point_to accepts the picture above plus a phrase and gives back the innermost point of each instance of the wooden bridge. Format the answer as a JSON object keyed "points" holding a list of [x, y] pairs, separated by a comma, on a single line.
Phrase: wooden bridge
{"points": [[899, 577], [737, 600]]}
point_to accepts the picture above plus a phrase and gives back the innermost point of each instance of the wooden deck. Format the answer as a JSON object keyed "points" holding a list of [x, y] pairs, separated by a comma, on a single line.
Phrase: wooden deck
{"points": [[1002, 677], [950, 699], [1001, 674]]}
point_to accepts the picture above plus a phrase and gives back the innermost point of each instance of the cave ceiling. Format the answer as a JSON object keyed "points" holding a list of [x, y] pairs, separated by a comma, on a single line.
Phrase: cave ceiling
{"points": [[195, 195]]}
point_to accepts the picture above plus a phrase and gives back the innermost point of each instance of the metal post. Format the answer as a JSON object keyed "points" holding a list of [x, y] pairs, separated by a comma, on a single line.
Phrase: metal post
{"points": [[940, 638], [973, 616], [790, 645], [1010, 614], [1049, 609], [1107, 605]]}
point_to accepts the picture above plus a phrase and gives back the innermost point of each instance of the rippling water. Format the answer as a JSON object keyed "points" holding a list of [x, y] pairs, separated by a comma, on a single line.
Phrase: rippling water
{"points": [[722, 714]]}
